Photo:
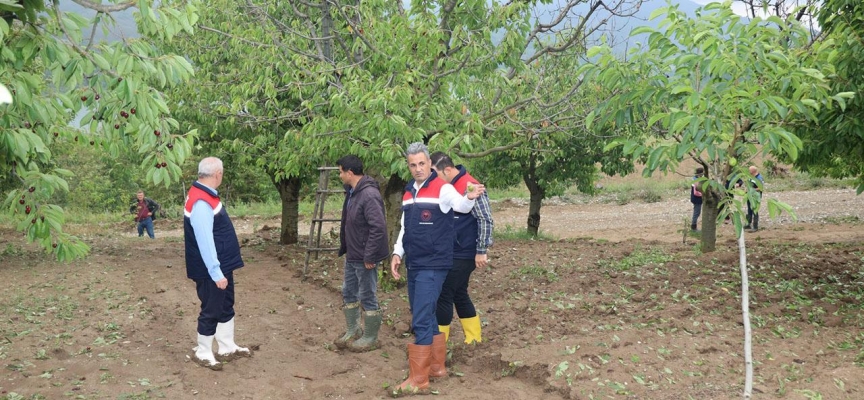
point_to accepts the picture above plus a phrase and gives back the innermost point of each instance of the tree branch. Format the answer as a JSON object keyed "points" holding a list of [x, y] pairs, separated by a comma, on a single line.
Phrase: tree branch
{"points": [[106, 8]]}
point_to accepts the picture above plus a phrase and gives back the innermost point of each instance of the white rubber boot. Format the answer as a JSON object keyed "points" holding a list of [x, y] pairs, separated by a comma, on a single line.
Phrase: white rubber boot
{"points": [[228, 350], [204, 353]]}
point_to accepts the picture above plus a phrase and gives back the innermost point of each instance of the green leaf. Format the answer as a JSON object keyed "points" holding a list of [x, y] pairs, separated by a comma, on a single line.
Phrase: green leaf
{"points": [[589, 120]]}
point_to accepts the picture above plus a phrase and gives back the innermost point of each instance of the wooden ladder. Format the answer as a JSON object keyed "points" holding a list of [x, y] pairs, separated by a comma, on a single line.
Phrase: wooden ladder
{"points": [[318, 220]]}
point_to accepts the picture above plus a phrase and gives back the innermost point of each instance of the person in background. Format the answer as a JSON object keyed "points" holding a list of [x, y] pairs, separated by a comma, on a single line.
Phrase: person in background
{"points": [[206, 223], [757, 183], [145, 212], [363, 240], [696, 198], [470, 245], [425, 242]]}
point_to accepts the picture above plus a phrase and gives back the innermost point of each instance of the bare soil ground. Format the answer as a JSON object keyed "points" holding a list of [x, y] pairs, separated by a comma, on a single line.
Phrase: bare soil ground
{"points": [[617, 306]]}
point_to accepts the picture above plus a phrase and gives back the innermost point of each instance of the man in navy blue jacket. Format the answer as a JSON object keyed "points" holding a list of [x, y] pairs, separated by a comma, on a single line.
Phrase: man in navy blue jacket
{"points": [[206, 223], [426, 243]]}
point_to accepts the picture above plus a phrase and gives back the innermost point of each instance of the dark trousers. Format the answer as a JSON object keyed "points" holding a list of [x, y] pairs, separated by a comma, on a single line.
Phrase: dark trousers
{"points": [[455, 292], [217, 305], [424, 287], [752, 215]]}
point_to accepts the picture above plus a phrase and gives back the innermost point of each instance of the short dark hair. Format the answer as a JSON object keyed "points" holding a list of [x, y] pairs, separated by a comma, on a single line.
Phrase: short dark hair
{"points": [[700, 171], [351, 163], [441, 160]]}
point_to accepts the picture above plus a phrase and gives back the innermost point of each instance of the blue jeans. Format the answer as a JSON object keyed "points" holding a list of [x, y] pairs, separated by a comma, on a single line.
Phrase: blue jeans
{"points": [[146, 223], [360, 284], [697, 211], [424, 287]]}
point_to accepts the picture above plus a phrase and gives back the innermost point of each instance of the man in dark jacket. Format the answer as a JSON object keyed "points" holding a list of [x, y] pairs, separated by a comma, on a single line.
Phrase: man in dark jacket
{"points": [[145, 210], [363, 239]]}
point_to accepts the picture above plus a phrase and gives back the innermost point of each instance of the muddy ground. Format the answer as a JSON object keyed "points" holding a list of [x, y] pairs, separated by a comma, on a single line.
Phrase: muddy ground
{"points": [[617, 305]]}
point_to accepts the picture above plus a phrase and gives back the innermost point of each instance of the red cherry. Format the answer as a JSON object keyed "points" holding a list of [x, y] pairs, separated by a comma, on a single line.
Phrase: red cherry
{"points": [[164, 164], [158, 165], [33, 221], [116, 126], [124, 114], [27, 210], [54, 245], [92, 142], [96, 97], [83, 98], [21, 201], [27, 125], [56, 134], [170, 146], [157, 133], [132, 110]]}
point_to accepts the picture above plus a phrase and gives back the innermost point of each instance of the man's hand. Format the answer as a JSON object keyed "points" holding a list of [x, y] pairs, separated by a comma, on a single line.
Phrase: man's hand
{"points": [[394, 266], [369, 265], [480, 260], [478, 190], [222, 283], [149, 214]]}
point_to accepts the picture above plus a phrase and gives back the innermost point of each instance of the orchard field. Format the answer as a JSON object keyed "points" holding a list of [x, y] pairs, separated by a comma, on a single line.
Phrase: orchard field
{"points": [[613, 302]]}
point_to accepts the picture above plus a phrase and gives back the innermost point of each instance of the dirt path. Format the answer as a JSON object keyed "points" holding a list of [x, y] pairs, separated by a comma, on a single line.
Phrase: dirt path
{"points": [[663, 221]]}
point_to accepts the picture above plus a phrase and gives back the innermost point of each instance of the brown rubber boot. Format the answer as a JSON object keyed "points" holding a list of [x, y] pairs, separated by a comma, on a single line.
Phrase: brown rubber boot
{"points": [[419, 357], [439, 356]]}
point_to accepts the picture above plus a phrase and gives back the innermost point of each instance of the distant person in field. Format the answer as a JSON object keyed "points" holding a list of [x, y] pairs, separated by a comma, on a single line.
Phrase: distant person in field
{"points": [[696, 198], [757, 183], [363, 240], [472, 239], [145, 212], [425, 242], [206, 223]]}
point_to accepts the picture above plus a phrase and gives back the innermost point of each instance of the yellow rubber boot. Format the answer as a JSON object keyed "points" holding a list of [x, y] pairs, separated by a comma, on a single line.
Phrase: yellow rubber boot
{"points": [[445, 329], [471, 327]]}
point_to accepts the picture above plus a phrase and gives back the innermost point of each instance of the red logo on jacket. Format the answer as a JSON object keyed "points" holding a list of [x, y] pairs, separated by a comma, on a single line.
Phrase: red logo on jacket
{"points": [[426, 215]]}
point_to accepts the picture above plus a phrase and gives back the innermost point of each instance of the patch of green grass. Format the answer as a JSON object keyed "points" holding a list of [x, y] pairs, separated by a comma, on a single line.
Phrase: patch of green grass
{"points": [[638, 258], [511, 233]]}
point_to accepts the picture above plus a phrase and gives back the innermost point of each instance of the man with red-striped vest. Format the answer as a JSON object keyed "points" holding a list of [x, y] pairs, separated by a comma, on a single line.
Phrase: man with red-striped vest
{"points": [[470, 245], [425, 241], [212, 255]]}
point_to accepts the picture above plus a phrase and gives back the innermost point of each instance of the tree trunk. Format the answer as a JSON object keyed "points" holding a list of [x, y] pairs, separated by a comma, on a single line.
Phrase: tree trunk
{"points": [[392, 192], [537, 194], [745, 314], [710, 210], [289, 192]]}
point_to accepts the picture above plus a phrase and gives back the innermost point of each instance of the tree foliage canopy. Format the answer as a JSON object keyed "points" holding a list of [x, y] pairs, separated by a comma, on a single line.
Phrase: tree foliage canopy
{"points": [[72, 90], [834, 141], [717, 89]]}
